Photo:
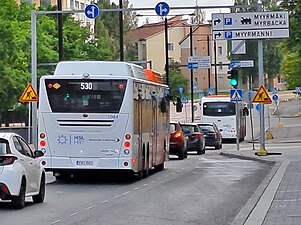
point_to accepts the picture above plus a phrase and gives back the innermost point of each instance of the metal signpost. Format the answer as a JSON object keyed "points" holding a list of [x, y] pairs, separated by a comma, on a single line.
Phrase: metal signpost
{"points": [[236, 96], [253, 25]]}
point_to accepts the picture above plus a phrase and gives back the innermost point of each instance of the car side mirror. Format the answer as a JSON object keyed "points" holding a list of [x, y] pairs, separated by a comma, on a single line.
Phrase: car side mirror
{"points": [[179, 105], [245, 111], [163, 105], [38, 153]]}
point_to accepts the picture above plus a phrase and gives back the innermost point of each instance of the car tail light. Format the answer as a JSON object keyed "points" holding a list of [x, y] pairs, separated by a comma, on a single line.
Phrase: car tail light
{"points": [[7, 160], [4, 189], [178, 134], [197, 136]]}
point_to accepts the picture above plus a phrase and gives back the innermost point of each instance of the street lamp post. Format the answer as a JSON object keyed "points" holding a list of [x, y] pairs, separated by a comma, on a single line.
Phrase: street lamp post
{"points": [[166, 52], [60, 30], [191, 74], [121, 31]]}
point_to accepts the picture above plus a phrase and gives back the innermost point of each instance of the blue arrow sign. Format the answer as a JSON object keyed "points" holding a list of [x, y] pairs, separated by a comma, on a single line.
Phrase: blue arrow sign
{"points": [[193, 65], [235, 64], [162, 9], [92, 11]]}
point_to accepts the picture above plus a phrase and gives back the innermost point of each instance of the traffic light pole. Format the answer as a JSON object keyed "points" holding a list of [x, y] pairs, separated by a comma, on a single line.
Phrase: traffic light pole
{"points": [[262, 151]]}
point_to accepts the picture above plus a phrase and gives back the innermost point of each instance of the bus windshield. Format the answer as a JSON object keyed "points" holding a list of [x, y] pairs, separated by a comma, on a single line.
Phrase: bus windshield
{"points": [[219, 108], [85, 96]]}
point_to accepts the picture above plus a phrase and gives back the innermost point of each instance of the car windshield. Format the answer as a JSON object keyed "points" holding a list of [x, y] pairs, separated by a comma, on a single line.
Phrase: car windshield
{"points": [[206, 128], [4, 149], [189, 129]]}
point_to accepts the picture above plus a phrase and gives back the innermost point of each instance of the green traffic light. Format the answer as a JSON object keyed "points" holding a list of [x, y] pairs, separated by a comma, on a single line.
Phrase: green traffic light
{"points": [[233, 82]]}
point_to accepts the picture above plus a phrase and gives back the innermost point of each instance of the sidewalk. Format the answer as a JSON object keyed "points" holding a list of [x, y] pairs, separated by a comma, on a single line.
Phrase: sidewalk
{"points": [[277, 201]]}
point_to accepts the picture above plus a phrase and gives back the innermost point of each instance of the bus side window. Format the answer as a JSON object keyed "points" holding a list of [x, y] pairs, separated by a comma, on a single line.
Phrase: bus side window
{"points": [[245, 111]]}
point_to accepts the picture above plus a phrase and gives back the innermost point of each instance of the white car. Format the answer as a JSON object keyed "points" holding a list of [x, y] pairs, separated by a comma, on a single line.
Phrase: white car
{"points": [[21, 174]]}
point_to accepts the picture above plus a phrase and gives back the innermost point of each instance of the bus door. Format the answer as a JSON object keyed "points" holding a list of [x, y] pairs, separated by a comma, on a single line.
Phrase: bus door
{"points": [[140, 133], [154, 129]]}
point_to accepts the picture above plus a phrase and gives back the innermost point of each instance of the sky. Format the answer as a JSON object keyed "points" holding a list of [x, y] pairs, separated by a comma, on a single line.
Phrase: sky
{"points": [[179, 3]]}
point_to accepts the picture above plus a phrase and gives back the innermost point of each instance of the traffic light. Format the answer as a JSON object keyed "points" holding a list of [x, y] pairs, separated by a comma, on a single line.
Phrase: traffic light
{"points": [[233, 76]]}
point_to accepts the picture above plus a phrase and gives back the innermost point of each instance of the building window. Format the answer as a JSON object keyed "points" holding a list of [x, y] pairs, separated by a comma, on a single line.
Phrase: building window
{"points": [[76, 5], [219, 50], [82, 6], [170, 46], [143, 51]]}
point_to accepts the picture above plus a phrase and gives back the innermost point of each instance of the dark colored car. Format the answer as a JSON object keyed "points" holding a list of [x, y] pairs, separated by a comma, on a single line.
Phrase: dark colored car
{"points": [[212, 134], [195, 138], [177, 143]]}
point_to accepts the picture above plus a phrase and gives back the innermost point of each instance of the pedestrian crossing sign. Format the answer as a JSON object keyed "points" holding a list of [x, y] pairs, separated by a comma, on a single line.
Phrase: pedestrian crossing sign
{"points": [[262, 96], [236, 95], [29, 95]]}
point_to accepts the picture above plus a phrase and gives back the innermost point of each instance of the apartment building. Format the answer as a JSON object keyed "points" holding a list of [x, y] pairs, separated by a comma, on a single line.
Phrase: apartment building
{"points": [[150, 39]]}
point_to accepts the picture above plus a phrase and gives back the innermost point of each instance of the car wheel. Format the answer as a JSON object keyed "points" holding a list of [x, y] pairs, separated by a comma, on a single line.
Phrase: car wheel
{"points": [[18, 202], [182, 154], [39, 198]]}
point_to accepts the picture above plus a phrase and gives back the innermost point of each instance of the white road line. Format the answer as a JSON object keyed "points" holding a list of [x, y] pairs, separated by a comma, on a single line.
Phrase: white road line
{"points": [[90, 207], [144, 185], [57, 221], [105, 201], [117, 196], [73, 214], [125, 193], [136, 189]]}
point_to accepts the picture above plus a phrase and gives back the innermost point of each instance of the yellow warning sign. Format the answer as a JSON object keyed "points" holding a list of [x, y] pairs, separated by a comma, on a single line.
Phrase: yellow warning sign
{"points": [[29, 95], [262, 96]]}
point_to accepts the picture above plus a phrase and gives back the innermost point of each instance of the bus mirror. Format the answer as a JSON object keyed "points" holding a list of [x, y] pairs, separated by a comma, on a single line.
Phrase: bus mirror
{"points": [[246, 111], [163, 105], [179, 105]]}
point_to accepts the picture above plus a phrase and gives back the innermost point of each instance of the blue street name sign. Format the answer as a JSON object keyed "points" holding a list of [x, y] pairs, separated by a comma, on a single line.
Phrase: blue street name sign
{"points": [[92, 11], [162, 9]]}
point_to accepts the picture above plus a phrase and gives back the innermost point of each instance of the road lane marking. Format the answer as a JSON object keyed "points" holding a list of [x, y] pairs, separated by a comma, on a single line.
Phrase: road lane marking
{"points": [[57, 221], [105, 201], [73, 214]]}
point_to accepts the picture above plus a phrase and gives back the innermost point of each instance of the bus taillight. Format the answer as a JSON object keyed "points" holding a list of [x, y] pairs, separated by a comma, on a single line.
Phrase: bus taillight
{"points": [[134, 160], [127, 144], [42, 143]]}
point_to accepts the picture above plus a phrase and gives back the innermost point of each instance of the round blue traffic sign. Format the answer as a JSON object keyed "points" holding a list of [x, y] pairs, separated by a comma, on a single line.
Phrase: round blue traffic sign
{"points": [[92, 11], [275, 98], [258, 107], [185, 99], [162, 9], [181, 90]]}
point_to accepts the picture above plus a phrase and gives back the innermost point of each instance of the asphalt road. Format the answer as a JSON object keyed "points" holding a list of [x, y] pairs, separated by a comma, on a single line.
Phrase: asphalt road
{"points": [[208, 189]]}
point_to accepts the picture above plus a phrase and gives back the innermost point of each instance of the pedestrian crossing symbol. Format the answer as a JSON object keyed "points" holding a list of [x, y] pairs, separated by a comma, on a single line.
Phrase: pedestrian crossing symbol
{"points": [[236, 95], [262, 96], [29, 95]]}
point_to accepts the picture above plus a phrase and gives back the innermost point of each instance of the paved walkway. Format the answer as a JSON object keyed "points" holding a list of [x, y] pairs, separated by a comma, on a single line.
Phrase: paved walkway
{"points": [[277, 201]]}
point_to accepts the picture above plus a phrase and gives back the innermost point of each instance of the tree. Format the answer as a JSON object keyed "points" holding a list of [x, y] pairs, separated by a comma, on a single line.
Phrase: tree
{"points": [[176, 79]]}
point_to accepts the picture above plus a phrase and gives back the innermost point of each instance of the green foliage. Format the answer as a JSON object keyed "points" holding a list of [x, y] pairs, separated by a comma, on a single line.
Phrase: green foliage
{"points": [[291, 69], [78, 44], [176, 79]]}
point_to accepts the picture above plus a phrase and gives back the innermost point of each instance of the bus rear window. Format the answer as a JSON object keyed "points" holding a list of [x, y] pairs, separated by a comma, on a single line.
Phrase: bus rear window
{"points": [[219, 108], [85, 96]]}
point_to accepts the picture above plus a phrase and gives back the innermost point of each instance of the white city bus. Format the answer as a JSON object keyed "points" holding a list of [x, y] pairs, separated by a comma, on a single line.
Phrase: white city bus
{"points": [[102, 116], [220, 110]]}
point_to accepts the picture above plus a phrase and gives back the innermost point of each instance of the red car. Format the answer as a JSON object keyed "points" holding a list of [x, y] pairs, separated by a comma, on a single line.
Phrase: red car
{"points": [[177, 143]]}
